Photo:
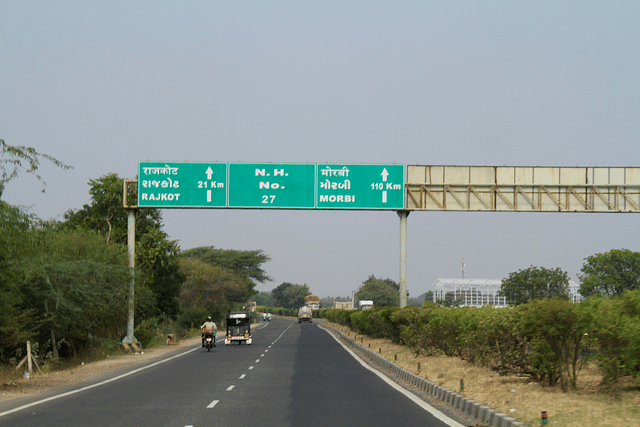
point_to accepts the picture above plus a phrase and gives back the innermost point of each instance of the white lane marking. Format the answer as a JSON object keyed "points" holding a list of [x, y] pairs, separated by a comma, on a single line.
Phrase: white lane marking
{"points": [[290, 325], [242, 376], [230, 387], [69, 393], [439, 415], [250, 367], [262, 355], [212, 404]]}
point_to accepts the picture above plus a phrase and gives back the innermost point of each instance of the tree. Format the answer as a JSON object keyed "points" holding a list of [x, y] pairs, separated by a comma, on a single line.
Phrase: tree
{"points": [[76, 286], [208, 287], [383, 293], [288, 295], [264, 299], [421, 299], [535, 283], [451, 300], [156, 255], [610, 273], [247, 265], [15, 246], [15, 159]]}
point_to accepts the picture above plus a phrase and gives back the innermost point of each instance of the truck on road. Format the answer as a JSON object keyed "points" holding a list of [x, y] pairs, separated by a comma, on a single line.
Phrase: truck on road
{"points": [[365, 304], [305, 314], [313, 301]]}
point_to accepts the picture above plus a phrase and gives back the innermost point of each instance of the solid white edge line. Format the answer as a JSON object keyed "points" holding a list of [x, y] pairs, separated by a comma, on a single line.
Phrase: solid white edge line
{"points": [[424, 405], [69, 393]]}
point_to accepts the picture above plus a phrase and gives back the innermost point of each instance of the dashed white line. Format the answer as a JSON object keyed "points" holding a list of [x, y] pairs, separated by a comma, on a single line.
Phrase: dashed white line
{"points": [[257, 360], [230, 387], [242, 376], [212, 404], [250, 367]]}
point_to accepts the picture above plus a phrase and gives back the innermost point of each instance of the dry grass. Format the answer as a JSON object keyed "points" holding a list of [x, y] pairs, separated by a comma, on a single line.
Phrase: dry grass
{"points": [[518, 397]]}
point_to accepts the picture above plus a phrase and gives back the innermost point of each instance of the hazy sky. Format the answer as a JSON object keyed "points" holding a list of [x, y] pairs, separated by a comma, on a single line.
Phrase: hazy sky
{"points": [[104, 85]]}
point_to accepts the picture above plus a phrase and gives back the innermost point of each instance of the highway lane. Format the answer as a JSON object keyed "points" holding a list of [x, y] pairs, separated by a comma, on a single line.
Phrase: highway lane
{"points": [[292, 375]]}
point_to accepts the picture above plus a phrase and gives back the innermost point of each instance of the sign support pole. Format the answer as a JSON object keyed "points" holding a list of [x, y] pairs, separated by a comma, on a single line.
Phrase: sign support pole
{"points": [[131, 252], [403, 257]]}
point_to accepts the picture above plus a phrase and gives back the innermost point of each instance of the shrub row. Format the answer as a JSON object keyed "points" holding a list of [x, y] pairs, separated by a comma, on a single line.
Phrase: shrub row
{"points": [[548, 340], [277, 310]]}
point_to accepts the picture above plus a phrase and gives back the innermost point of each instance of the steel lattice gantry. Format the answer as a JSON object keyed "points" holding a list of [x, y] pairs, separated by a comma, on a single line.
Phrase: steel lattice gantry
{"points": [[523, 189]]}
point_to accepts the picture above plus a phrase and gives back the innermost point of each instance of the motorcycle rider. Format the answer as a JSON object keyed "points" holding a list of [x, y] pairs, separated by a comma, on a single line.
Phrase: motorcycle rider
{"points": [[208, 324]]}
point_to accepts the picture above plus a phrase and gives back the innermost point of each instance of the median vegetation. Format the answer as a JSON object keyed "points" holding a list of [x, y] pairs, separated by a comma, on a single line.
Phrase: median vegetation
{"points": [[549, 341]]}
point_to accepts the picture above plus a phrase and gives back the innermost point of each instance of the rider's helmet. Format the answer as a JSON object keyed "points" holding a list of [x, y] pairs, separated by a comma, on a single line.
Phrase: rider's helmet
{"points": [[208, 318]]}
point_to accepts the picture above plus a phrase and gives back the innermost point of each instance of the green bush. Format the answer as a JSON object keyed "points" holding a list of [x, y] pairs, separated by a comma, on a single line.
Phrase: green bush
{"points": [[555, 328], [615, 334], [146, 332], [193, 317]]}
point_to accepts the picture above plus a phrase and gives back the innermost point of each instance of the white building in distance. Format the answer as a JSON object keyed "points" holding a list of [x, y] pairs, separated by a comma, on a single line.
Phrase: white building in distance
{"points": [[480, 292]]}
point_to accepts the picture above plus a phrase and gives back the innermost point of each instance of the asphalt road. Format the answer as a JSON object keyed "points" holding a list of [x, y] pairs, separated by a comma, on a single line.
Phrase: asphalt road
{"points": [[292, 375]]}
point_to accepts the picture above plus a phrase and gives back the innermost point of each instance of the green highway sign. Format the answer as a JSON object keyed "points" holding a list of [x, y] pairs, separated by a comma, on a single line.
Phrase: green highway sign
{"points": [[371, 187], [182, 185], [271, 185]]}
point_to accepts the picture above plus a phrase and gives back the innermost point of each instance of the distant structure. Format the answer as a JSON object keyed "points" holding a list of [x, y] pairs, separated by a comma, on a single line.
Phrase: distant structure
{"points": [[480, 292], [343, 305]]}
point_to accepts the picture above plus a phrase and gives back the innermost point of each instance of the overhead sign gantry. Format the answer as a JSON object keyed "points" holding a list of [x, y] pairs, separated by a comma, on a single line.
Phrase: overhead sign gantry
{"points": [[378, 187]]}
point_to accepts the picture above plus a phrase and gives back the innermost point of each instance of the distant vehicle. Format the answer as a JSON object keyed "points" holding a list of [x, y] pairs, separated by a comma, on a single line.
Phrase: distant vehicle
{"points": [[343, 305], [305, 314], [313, 301], [238, 328], [365, 304]]}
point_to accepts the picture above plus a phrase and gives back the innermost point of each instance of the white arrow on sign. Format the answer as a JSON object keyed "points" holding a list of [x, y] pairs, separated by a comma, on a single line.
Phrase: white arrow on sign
{"points": [[209, 172], [384, 174]]}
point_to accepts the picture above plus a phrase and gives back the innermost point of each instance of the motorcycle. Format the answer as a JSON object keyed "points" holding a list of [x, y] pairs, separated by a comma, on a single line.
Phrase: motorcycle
{"points": [[210, 340]]}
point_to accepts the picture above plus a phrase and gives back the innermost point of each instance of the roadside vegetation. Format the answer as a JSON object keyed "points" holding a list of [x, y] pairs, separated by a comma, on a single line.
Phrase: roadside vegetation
{"points": [[64, 284], [548, 341]]}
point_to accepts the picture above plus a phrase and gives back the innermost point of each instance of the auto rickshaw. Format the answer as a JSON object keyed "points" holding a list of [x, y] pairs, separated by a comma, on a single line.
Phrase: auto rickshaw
{"points": [[238, 328]]}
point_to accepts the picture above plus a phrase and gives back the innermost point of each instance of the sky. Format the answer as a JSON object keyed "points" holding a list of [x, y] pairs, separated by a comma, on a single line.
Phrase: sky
{"points": [[102, 86]]}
